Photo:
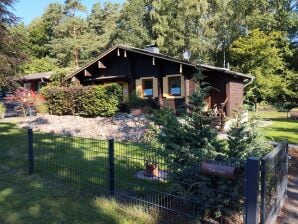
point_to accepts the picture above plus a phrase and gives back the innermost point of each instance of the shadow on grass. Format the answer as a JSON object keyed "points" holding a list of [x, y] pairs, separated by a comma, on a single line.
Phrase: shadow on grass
{"points": [[77, 163], [29, 200]]}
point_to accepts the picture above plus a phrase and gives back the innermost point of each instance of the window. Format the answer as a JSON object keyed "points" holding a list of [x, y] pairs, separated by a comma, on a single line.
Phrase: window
{"points": [[148, 87], [175, 86], [27, 85]]}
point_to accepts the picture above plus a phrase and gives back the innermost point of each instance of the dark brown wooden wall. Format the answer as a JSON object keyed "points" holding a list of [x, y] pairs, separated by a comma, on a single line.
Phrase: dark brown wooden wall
{"points": [[235, 91]]}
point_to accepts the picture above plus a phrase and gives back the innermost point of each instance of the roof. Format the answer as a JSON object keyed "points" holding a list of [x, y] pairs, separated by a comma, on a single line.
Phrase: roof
{"points": [[35, 76], [160, 56], [225, 71], [135, 50]]}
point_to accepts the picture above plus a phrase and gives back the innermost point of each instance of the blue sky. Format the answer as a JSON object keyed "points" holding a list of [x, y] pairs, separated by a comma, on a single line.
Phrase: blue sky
{"points": [[29, 9]]}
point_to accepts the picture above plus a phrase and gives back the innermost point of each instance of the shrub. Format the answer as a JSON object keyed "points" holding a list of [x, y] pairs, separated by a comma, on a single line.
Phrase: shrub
{"points": [[2, 110], [85, 101], [189, 141], [25, 100]]}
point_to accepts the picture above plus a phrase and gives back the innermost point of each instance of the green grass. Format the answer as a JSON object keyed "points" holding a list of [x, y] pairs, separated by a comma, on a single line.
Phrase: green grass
{"points": [[29, 200], [281, 128], [70, 182], [80, 163]]}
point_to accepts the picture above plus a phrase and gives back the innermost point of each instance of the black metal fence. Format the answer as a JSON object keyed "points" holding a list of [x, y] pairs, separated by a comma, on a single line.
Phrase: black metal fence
{"points": [[119, 169], [266, 185], [274, 171]]}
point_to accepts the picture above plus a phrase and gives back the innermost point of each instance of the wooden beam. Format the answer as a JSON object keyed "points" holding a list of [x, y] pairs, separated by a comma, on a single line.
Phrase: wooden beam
{"points": [[86, 73], [101, 65]]}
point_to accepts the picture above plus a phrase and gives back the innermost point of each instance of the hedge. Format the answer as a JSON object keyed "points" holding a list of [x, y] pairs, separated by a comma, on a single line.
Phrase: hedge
{"points": [[92, 101]]}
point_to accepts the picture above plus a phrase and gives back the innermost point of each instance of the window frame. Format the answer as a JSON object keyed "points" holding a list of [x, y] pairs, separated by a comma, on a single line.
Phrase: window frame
{"points": [[169, 86], [143, 87]]}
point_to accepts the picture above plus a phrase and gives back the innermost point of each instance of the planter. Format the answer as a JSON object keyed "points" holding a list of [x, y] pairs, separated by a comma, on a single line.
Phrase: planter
{"points": [[136, 111], [151, 170], [294, 113]]}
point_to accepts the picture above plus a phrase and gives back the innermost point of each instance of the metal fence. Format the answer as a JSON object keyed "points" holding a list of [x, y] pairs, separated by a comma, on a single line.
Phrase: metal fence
{"points": [[118, 169], [101, 167], [274, 170]]}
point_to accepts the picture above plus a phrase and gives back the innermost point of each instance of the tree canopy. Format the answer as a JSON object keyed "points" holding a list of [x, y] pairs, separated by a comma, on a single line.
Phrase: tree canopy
{"points": [[257, 37]]}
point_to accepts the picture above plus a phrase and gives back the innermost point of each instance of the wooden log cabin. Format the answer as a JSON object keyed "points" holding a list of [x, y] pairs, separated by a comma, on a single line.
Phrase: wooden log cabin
{"points": [[167, 80]]}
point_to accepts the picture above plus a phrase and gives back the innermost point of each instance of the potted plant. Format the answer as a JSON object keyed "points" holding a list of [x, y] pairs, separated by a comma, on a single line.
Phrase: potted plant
{"points": [[151, 167], [135, 104]]}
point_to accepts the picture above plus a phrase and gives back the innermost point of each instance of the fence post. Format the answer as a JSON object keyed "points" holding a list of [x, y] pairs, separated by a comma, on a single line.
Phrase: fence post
{"points": [[263, 190], [30, 151], [111, 167], [251, 190]]}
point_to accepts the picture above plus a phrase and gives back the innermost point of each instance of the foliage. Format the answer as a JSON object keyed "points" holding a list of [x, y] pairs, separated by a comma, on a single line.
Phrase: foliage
{"points": [[135, 101], [245, 138], [2, 110], [131, 26], [37, 65], [58, 76], [85, 101], [187, 142], [190, 140], [11, 51], [25, 101], [255, 41], [263, 55]]}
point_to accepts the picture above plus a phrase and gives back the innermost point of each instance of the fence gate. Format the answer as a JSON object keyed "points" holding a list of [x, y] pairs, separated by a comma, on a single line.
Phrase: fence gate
{"points": [[274, 170]]}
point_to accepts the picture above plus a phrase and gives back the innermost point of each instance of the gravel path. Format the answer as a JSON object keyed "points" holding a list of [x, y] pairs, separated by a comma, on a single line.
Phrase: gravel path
{"points": [[121, 127]]}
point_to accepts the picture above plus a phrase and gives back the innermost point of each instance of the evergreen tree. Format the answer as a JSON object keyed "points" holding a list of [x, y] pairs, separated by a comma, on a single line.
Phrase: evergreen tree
{"points": [[131, 27], [102, 25], [11, 50], [245, 138], [69, 35]]}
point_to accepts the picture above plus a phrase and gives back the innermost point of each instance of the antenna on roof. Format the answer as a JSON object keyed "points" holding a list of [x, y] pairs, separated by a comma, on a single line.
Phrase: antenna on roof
{"points": [[186, 55]]}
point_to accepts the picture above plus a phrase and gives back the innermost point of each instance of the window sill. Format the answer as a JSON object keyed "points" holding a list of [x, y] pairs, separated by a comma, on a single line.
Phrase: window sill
{"points": [[173, 97]]}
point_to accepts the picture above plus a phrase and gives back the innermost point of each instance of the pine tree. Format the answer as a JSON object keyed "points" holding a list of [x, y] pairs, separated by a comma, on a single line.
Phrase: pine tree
{"points": [[245, 138], [131, 26], [70, 38], [11, 50]]}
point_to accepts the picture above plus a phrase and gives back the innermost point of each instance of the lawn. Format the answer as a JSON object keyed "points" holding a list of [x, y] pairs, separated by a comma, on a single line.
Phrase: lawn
{"points": [[77, 163], [29, 200], [281, 128]]}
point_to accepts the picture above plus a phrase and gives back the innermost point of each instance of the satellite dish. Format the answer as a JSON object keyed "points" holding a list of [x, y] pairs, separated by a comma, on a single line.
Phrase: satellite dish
{"points": [[186, 55]]}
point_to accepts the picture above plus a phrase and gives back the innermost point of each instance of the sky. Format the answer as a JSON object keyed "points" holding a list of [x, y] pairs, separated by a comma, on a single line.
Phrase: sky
{"points": [[29, 9]]}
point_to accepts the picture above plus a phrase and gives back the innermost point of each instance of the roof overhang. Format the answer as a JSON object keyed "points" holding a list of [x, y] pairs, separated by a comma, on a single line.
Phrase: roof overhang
{"points": [[225, 71], [134, 50], [35, 76], [157, 56]]}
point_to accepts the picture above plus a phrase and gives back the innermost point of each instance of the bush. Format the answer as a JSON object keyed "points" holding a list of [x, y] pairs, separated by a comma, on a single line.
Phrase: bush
{"points": [[2, 111], [85, 101], [25, 101]]}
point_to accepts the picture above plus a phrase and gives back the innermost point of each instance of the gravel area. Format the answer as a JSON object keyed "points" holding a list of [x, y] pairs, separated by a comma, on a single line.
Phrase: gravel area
{"points": [[120, 127]]}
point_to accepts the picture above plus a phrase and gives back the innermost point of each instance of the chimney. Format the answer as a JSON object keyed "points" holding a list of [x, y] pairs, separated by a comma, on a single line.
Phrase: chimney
{"points": [[152, 48]]}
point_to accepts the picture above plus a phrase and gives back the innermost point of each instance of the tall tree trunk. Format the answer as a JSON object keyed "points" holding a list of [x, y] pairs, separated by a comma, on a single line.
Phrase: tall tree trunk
{"points": [[76, 50]]}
